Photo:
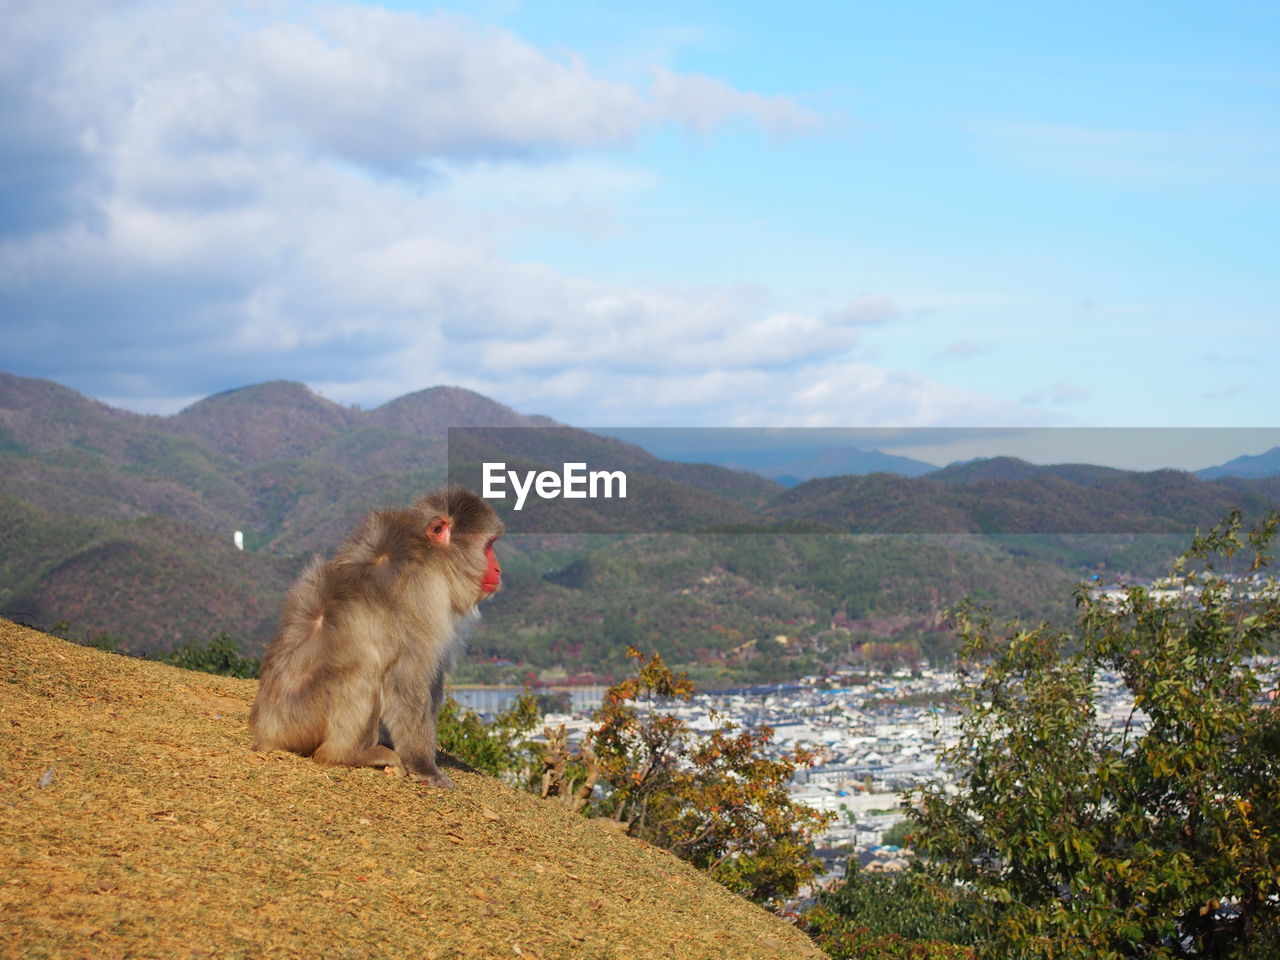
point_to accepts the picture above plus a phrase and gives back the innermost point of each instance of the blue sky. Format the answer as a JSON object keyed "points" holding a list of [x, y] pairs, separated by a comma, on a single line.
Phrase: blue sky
{"points": [[652, 214]]}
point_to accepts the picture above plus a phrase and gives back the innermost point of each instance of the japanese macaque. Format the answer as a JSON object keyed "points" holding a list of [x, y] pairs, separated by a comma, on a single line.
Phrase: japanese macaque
{"points": [[355, 674]]}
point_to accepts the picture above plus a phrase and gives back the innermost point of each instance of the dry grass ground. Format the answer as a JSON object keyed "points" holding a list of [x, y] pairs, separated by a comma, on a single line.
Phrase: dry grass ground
{"points": [[135, 821]]}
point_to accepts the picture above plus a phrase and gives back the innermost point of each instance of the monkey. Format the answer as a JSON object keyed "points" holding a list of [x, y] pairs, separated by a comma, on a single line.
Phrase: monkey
{"points": [[355, 673]]}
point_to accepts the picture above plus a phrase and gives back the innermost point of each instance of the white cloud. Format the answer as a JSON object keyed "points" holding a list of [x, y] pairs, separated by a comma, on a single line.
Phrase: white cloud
{"points": [[244, 199], [822, 393], [868, 309], [388, 88], [701, 104]]}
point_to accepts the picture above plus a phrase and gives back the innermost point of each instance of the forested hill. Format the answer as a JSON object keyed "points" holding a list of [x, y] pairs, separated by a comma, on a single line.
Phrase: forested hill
{"points": [[119, 523], [1010, 496]]}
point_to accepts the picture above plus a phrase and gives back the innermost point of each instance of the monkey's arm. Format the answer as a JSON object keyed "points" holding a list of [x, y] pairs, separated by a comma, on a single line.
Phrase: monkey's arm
{"points": [[410, 705]]}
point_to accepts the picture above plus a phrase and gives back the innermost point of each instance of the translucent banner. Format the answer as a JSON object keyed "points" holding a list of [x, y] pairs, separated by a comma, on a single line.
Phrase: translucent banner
{"points": [[910, 481]]}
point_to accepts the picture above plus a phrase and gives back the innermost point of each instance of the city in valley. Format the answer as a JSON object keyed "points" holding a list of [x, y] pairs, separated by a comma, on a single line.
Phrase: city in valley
{"points": [[876, 736]]}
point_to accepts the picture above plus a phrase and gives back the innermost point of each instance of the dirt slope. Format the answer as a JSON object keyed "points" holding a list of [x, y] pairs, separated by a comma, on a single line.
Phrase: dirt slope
{"points": [[160, 833]]}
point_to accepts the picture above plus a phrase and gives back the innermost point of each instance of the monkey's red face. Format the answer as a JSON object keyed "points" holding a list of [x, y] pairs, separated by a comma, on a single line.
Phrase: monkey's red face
{"points": [[493, 572]]}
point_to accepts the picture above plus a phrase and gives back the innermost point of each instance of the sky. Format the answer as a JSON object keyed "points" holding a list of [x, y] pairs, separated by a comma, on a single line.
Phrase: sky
{"points": [[662, 214]]}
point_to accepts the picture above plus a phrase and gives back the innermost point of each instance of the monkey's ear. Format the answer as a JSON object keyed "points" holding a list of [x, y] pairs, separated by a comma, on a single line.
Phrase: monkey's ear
{"points": [[438, 529]]}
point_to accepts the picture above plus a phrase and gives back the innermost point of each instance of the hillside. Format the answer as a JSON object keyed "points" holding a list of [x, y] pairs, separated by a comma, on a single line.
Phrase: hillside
{"points": [[120, 523], [698, 599], [150, 582], [139, 823], [1009, 496]]}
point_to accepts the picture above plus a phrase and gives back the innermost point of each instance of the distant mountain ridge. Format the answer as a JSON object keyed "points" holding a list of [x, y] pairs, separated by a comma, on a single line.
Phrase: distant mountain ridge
{"points": [[1010, 496], [281, 419], [431, 412], [122, 522], [839, 461], [97, 502], [275, 420], [1011, 469], [1263, 465]]}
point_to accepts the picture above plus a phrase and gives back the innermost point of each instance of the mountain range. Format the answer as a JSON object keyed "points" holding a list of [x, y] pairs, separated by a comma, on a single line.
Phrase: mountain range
{"points": [[839, 461], [1263, 465], [120, 523]]}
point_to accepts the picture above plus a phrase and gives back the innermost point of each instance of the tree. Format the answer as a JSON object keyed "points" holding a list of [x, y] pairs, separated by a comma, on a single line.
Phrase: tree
{"points": [[896, 836], [1160, 839], [557, 783], [220, 655], [717, 800], [500, 748], [638, 753], [884, 916]]}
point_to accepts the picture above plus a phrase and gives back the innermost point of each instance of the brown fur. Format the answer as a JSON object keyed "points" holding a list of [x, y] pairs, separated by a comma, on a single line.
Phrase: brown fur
{"points": [[366, 639]]}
